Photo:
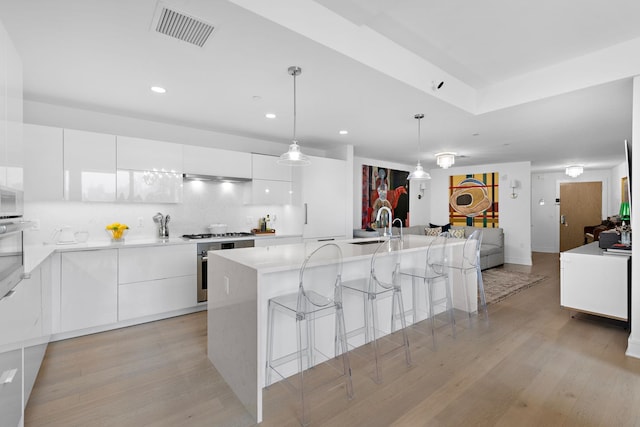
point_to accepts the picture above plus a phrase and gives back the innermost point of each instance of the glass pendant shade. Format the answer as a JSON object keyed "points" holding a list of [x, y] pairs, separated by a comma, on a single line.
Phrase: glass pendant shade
{"points": [[418, 173], [294, 157]]}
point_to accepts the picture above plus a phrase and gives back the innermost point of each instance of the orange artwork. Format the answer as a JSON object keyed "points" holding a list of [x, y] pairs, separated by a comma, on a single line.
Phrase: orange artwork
{"points": [[473, 200]]}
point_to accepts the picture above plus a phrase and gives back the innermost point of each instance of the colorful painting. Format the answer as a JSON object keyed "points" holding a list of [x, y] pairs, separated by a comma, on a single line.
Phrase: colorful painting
{"points": [[384, 187], [473, 200]]}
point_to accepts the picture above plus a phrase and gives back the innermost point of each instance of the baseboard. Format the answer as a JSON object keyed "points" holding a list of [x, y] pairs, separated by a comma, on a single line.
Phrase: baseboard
{"points": [[521, 261], [633, 348], [126, 323]]}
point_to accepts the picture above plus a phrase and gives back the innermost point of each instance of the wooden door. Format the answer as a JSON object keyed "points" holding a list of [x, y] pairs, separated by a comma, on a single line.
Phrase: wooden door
{"points": [[580, 205]]}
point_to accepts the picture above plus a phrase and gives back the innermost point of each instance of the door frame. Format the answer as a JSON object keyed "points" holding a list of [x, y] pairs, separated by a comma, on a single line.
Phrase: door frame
{"points": [[606, 201]]}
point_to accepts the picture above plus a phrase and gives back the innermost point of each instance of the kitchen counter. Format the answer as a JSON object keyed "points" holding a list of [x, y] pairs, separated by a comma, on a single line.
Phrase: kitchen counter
{"points": [[34, 254], [243, 280]]}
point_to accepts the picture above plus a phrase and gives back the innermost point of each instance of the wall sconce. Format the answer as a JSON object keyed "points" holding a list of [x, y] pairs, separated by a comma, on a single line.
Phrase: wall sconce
{"points": [[445, 160], [421, 194], [574, 171], [513, 185], [541, 202]]}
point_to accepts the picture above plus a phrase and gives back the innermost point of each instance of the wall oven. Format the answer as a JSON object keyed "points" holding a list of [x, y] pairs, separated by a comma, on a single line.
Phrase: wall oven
{"points": [[11, 254], [203, 248]]}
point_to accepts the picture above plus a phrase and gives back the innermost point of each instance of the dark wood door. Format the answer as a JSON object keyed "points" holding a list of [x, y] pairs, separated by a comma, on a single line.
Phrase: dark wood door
{"points": [[580, 205]]}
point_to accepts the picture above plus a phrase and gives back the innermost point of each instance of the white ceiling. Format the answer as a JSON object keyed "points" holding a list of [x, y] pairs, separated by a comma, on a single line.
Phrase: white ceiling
{"points": [[530, 79]]}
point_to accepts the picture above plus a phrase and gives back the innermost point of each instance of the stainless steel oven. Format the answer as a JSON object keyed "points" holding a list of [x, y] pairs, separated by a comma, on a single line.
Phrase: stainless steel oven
{"points": [[11, 253], [203, 248]]}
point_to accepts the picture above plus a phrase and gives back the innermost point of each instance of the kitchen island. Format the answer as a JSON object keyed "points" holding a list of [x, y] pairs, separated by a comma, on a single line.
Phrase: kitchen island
{"points": [[241, 282]]}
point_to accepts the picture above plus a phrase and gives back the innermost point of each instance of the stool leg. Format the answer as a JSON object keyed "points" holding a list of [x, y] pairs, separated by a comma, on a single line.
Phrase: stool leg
{"points": [[267, 370], [346, 366], [374, 321], [301, 371], [397, 296], [452, 318], [432, 314], [483, 298]]}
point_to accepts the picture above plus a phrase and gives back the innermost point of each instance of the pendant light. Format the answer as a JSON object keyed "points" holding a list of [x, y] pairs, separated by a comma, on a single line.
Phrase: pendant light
{"points": [[294, 156], [418, 173]]}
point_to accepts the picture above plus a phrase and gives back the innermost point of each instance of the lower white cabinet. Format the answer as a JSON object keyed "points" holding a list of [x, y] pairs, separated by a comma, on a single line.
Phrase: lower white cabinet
{"points": [[154, 280], [11, 387], [89, 289], [263, 242]]}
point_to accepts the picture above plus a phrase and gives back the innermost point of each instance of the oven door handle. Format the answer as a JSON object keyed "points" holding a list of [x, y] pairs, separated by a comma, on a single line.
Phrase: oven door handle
{"points": [[12, 227]]}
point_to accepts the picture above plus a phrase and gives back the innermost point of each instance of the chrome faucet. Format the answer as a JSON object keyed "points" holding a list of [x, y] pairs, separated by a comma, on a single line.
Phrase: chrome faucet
{"points": [[400, 221], [384, 208]]}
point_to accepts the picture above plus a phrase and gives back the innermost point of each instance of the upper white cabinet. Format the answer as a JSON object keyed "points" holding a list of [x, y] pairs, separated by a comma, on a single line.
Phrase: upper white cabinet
{"points": [[42, 163], [149, 155], [267, 168], [271, 184], [322, 197], [215, 162], [89, 166], [149, 171], [11, 156]]}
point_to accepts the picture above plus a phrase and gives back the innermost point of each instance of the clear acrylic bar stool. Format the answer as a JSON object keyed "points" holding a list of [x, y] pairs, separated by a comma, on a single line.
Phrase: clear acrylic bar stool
{"points": [[470, 261], [428, 277], [383, 279], [319, 295]]}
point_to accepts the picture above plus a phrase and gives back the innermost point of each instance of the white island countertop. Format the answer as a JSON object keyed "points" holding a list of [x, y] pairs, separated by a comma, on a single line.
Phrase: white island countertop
{"points": [[272, 259]]}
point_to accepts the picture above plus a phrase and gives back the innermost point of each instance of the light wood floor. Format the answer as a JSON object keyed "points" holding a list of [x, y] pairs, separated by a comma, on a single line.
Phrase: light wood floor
{"points": [[531, 364]]}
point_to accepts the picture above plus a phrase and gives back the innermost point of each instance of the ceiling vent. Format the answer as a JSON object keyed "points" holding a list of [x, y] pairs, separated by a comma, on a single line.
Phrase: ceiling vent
{"points": [[181, 26]]}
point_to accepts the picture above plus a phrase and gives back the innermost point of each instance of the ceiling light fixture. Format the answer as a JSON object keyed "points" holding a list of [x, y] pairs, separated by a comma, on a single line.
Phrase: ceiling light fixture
{"points": [[270, 116], [294, 156], [158, 89], [445, 160], [418, 173], [574, 171], [344, 132]]}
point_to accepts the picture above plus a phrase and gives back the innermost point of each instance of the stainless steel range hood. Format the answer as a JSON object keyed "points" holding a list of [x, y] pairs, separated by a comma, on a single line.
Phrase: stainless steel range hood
{"points": [[213, 178]]}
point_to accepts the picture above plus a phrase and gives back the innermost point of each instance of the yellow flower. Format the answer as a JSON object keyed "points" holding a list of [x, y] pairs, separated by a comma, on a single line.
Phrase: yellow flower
{"points": [[117, 229]]}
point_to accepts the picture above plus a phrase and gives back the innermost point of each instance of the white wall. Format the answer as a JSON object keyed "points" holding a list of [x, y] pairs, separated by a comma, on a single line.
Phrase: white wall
{"points": [[545, 220], [515, 214]]}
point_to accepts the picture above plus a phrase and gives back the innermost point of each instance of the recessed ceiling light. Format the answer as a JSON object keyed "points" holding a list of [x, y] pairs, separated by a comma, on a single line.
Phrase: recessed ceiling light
{"points": [[270, 116], [344, 132], [158, 89]]}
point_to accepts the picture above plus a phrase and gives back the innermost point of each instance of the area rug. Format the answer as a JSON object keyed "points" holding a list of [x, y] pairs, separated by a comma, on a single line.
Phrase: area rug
{"points": [[500, 284]]}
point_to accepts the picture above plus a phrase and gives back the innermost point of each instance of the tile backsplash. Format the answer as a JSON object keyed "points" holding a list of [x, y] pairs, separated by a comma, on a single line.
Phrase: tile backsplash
{"points": [[203, 203]]}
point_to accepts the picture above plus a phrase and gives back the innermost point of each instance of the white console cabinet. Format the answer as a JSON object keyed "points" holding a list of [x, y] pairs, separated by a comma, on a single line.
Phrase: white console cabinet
{"points": [[593, 282]]}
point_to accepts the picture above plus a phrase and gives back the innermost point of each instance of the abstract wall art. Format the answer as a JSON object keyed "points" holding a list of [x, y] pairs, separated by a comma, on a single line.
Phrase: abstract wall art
{"points": [[473, 200], [384, 187]]}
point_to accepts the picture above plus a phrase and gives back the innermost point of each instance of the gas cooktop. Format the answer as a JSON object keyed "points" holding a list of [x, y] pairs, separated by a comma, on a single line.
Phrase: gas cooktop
{"points": [[213, 236]]}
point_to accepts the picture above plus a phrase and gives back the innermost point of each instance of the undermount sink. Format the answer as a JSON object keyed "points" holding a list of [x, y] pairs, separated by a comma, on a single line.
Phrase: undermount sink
{"points": [[368, 242]]}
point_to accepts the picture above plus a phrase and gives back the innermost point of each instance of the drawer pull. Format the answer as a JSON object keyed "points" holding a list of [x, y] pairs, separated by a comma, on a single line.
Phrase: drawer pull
{"points": [[7, 376]]}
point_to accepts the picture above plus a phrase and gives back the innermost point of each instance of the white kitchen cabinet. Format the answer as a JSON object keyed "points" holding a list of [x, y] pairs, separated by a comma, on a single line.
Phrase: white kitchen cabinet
{"points": [[89, 289], [149, 171], [154, 280], [320, 191], [594, 283], [216, 162], [21, 312], [266, 167], [89, 161], [11, 156], [11, 389], [268, 192], [43, 163], [149, 155]]}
